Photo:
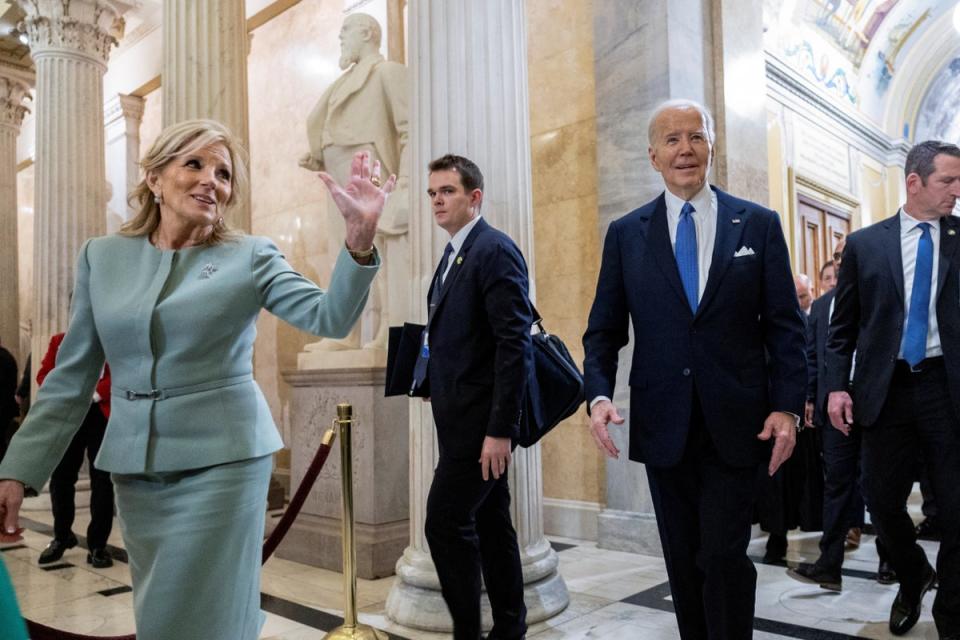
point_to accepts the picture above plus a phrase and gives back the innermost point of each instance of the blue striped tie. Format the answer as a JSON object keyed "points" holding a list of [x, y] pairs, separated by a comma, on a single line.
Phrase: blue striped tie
{"points": [[686, 253], [918, 317]]}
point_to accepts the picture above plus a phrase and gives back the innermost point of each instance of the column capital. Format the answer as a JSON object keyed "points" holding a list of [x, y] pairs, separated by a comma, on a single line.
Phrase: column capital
{"points": [[122, 106], [87, 28], [15, 85]]}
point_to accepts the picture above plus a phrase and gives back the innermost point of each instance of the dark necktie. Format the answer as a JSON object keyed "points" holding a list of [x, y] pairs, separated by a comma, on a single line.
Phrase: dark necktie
{"points": [[918, 316], [420, 367], [686, 253]]}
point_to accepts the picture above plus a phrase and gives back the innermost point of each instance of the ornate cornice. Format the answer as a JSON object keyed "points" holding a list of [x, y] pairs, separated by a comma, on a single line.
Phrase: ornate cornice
{"points": [[88, 28], [122, 106], [15, 84]]}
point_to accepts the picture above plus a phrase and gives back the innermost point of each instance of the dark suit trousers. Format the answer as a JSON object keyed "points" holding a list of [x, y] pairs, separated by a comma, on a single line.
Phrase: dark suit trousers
{"points": [[917, 418], [704, 508], [470, 534], [842, 494], [63, 484]]}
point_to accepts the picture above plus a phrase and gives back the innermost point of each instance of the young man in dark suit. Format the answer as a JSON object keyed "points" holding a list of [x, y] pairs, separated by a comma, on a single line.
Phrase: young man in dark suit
{"points": [[475, 354], [718, 368], [898, 307]]}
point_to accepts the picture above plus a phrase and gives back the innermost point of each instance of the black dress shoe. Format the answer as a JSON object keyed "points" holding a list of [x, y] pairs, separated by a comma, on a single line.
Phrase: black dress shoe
{"points": [[99, 558], [906, 610], [807, 572], [929, 529], [56, 549], [886, 574], [776, 552]]}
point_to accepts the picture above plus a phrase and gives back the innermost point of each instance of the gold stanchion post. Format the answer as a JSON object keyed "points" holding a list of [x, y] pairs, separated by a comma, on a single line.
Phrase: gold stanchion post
{"points": [[350, 629]]}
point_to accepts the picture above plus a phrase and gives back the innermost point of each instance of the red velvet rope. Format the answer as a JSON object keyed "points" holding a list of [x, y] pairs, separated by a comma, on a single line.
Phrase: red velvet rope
{"points": [[42, 632]]}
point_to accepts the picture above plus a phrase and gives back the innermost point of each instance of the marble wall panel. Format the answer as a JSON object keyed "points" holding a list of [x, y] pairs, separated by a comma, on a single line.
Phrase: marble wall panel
{"points": [[152, 121], [25, 254], [566, 243]]}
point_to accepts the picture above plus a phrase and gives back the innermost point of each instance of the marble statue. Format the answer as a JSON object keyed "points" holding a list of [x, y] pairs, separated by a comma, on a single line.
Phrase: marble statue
{"points": [[366, 108]]}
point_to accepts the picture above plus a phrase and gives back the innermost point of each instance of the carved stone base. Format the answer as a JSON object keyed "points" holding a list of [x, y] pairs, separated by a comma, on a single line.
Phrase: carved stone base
{"points": [[380, 470], [314, 357], [316, 541], [415, 600]]}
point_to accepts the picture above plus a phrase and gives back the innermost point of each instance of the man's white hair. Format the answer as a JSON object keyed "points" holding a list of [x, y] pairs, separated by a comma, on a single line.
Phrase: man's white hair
{"points": [[681, 103]]}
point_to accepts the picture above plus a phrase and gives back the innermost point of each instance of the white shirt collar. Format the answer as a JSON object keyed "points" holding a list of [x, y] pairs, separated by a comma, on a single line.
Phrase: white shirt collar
{"points": [[702, 202], [909, 223], [461, 236]]}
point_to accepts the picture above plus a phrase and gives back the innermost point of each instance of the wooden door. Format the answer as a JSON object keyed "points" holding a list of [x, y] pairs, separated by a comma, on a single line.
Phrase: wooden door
{"points": [[822, 229]]}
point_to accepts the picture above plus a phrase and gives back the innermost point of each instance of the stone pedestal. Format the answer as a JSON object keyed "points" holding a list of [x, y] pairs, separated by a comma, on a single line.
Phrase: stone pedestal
{"points": [[15, 85], [474, 55], [380, 463], [205, 48], [70, 42]]}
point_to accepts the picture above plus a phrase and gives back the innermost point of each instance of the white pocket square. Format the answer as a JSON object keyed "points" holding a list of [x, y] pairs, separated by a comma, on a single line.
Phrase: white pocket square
{"points": [[744, 251]]}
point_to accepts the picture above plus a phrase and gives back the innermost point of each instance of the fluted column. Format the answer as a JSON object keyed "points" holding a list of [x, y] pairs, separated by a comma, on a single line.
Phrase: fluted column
{"points": [[70, 43], [122, 116], [15, 85], [204, 72], [468, 62]]}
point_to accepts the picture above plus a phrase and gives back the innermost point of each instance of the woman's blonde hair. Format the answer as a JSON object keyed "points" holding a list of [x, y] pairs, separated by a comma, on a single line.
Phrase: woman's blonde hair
{"points": [[177, 140]]}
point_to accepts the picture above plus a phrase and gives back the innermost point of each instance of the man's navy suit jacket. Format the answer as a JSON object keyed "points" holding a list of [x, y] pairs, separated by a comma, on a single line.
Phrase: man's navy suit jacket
{"points": [[480, 348], [818, 325], [742, 353], [868, 315]]}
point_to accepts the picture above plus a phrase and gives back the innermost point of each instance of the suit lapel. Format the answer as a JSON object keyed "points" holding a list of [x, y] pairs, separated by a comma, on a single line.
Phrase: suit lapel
{"points": [[948, 246], [730, 226], [457, 267], [658, 239], [891, 246], [353, 80]]}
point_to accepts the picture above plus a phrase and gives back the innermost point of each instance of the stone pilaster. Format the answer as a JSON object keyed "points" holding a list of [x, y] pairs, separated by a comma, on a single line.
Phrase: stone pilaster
{"points": [[15, 85], [70, 43], [205, 48], [645, 53], [472, 54], [122, 116]]}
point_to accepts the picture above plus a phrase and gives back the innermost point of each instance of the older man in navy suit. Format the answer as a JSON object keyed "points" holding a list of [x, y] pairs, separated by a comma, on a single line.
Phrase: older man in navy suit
{"points": [[475, 354], [718, 368], [898, 307]]}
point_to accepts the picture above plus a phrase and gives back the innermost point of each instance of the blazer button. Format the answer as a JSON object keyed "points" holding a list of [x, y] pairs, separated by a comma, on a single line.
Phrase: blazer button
{"points": [[686, 372]]}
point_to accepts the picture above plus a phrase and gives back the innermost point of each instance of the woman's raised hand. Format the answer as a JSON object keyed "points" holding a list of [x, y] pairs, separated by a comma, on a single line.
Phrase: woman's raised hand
{"points": [[360, 200]]}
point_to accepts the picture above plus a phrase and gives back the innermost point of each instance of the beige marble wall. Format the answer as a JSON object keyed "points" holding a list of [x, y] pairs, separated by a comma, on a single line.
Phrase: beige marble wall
{"points": [[293, 59], [567, 246], [152, 121]]}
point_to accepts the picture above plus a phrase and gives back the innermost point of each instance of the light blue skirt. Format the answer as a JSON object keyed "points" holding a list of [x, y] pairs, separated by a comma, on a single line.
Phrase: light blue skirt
{"points": [[194, 540]]}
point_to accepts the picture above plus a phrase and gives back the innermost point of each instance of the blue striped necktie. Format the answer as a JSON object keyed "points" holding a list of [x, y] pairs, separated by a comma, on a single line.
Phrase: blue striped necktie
{"points": [[918, 316], [686, 253]]}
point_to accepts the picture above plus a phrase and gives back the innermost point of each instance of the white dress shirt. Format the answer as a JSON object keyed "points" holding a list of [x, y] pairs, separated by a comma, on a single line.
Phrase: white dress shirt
{"points": [[457, 241], [909, 241], [705, 221]]}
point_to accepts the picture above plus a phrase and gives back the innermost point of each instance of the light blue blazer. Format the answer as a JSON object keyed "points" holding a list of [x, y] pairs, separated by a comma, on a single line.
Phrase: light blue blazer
{"points": [[177, 328]]}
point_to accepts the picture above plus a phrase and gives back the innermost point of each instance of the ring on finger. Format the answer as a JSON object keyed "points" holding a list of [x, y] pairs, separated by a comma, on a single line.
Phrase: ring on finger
{"points": [[375, 179]]}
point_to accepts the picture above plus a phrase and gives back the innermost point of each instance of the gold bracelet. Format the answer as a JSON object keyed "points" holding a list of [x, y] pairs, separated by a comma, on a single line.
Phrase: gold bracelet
{"points": [[359, 255]]}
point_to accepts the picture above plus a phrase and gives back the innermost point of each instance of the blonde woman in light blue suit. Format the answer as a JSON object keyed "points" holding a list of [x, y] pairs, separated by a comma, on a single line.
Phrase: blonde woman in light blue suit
{"points": [[171, 302]]}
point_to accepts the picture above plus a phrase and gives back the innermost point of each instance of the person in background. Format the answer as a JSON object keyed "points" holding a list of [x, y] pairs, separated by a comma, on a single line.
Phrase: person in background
{"points": [[9, 408], [828, 274], [804, 288], [63, 482]]}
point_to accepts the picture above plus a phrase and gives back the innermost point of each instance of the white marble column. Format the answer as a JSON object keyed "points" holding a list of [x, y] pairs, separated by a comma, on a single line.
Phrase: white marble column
{"points": [[15, 85], [469, 65], [70, 43], [204, 73], [122, 116]]}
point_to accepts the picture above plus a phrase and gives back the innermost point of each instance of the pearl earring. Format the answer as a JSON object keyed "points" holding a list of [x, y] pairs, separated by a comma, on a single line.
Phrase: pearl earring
{"points": [[157, 198]]}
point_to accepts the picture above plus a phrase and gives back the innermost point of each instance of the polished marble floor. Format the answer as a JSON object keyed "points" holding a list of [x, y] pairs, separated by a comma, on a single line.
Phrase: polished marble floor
{"points": [[614, 595]]}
